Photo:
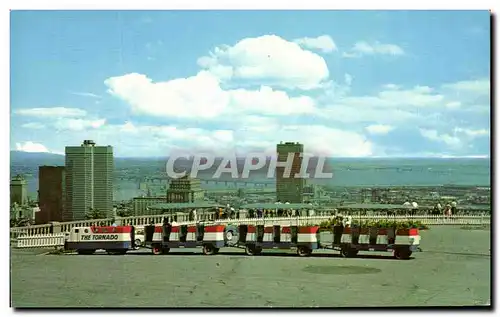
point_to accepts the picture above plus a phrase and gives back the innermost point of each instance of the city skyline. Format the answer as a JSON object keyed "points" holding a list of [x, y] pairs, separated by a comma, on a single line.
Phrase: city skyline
{"points": [[395, 84]]}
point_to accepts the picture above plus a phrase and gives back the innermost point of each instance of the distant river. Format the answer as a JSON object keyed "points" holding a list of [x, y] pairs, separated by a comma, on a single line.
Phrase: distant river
{"points": [[373, 172]]}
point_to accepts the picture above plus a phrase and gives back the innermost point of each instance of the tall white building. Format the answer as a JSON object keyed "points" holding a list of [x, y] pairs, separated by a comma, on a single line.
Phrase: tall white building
{"points": [[89, 180]]}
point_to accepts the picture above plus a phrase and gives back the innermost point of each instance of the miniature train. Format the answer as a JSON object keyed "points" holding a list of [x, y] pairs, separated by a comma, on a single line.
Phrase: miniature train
{"points": [[254, 238]]}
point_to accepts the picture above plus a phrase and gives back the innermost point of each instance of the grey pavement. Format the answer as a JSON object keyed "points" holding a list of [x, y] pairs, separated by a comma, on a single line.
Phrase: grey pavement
{"points": [[452, 270]]}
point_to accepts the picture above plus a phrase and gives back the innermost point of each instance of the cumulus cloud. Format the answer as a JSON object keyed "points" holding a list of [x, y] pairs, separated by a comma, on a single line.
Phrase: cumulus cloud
{"points": [[364, 48], [480, 86], [31, 147], [52, 112], [201, 96], [390, 105], [197, 96], [323, 43], [268, 60], [379, 129], [446, 138]]}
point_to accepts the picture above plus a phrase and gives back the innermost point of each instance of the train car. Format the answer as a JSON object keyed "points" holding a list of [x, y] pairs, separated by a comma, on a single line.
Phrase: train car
{"points": [[260, 237], [113, 239], [402, 242], [210, 237]]}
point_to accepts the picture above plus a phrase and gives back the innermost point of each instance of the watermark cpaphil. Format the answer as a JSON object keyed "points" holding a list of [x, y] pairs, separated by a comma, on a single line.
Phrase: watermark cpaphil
{"points": [[296, 165]]}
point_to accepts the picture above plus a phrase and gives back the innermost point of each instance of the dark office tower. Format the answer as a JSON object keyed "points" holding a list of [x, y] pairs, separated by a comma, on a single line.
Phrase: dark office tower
{"points": [[51, 187], [289, 189]]}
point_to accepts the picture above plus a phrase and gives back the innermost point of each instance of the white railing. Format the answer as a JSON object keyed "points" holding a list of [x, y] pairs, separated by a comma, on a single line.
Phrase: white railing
{"points": [[41, 241], [158, 219], [315, 220]]}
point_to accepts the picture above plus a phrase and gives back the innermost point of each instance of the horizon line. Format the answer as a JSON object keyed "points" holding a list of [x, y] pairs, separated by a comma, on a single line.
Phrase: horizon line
{"points": [[444, 156]]}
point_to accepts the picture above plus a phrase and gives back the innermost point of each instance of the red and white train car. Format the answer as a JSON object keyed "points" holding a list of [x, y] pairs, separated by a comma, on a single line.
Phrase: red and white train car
{"points": [[403, 242], [163, 238], [257, 238]]}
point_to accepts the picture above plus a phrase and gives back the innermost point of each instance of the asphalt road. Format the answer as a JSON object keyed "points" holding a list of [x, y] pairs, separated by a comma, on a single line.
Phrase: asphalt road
{"points": [[452, 270]]}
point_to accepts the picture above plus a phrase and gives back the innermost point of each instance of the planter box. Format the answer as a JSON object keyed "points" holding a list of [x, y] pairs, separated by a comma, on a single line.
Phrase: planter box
{"points": [[407, 232]]}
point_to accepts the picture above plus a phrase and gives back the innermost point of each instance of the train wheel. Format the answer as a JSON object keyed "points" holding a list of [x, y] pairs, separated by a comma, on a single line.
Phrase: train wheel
{"points": [[137, 244], [208, 249], [216, 250], [304, 251], [250, 250], [85, 252], [166, 250], [402, 254], [348, 253], [156, 250]]}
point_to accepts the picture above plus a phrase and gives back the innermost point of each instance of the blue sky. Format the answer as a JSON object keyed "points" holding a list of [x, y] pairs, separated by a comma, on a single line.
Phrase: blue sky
{"points": [[345, 83]]}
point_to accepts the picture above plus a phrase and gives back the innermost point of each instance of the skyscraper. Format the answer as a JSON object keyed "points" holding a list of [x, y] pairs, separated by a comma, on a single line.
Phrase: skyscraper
{"points": [[51, 186], [89, 180], [289, 189]]}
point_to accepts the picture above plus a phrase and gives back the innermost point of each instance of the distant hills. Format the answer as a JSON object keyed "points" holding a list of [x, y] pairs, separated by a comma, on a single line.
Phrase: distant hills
{"points": [[29, 158]]}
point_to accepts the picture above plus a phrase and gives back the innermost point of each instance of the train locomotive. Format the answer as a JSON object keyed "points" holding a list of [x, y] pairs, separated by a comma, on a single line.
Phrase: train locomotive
{"points": [[113, 239]]}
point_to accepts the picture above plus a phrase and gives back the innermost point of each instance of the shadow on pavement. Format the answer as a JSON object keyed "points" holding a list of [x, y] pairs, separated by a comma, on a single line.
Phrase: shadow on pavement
{"points": [[459, 253], [272, 254]]}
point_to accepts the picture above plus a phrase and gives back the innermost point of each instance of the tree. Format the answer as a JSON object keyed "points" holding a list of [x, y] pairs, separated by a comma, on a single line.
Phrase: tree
{"points": [[94, 213], [241, 193], [18, 216], [124, 212]]}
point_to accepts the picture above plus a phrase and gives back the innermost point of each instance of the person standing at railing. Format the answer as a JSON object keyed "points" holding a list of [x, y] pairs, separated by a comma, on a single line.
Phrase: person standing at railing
{"points": [[453, 208], [447, 210], [311, 213]]}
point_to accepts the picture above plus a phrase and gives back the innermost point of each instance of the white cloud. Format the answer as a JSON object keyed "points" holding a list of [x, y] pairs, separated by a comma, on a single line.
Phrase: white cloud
{"points": [[78, 124], [201, 96], [268, 60], [317, 140], [197, 96], [363, 48], [473, 133], [433, 135], [33, 125], [453, 105], [379, 129], [323, 43], [348, 79], [391, 105], [31, 147], [391, 86], [262, 134], [52, 112], [270, 102], [86, 94], [481, 86]]}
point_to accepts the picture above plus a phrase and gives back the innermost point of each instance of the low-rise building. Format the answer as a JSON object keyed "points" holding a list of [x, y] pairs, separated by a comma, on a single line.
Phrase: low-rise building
{"points": [[141, 204], [18, 190]]}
